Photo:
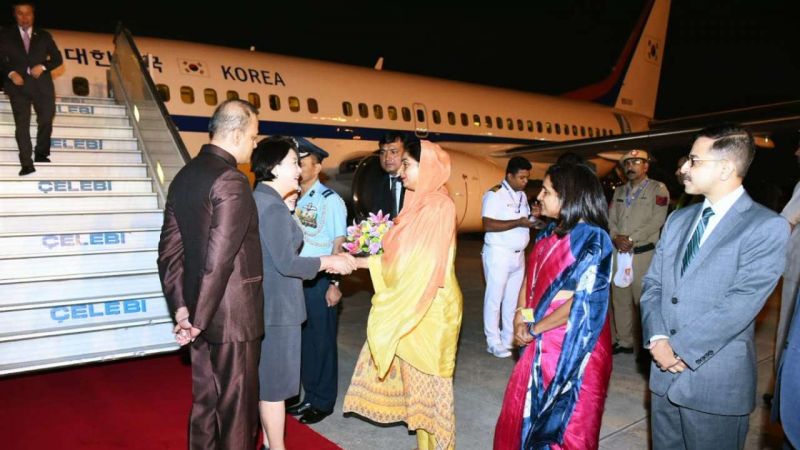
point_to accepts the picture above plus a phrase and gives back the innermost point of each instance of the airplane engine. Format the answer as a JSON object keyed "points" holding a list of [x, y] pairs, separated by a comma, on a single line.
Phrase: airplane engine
{"points": [[470, 177]]}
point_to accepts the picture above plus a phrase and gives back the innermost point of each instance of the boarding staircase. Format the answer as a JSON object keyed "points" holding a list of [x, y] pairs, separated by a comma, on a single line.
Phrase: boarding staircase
{"points": [[78, 244]]}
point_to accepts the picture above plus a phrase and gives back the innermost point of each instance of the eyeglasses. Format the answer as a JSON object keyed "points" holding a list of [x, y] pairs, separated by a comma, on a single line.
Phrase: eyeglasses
{"points": [[693, 160], [633, 162]]}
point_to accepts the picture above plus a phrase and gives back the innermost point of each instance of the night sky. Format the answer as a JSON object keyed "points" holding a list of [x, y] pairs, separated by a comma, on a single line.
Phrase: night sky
{"points": [[718, 55]]}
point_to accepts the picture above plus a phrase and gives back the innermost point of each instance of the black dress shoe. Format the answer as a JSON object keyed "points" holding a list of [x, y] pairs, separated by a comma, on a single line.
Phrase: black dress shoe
{"points": [[41, 159], [26, 170], [616, 349], [313, 415], [298, 409]]}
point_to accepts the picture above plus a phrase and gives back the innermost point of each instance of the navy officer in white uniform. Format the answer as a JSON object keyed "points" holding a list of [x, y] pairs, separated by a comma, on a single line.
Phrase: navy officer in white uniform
{"points": [[507, 224]]}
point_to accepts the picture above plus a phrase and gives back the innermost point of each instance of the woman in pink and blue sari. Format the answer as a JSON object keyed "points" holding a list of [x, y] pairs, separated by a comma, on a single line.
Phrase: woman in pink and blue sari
{"points": [[557, 391]]}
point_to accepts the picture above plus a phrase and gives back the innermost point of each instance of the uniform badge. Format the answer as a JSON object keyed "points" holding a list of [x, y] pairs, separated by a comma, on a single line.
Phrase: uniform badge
{"points": [[307, 216], [661, 200]]}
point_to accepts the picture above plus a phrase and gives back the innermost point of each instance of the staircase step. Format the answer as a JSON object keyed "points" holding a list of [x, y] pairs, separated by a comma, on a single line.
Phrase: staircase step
{"points": [[14, 267], [53, 170], [82, 317], [74, 131], [65, 222], [56, 203], [105, 345], [32, 292], [69, 119], [74, 99], [41, 244], [79, 143], [81, 156], [23, 185]]}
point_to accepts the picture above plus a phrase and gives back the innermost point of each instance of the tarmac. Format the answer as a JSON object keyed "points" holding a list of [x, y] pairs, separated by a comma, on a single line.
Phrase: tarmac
{"points": [[480, 378]]}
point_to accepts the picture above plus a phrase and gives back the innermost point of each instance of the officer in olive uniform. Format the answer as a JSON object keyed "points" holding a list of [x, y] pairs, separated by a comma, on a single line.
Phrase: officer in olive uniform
{"points": [[637, 212], [322, 215]]}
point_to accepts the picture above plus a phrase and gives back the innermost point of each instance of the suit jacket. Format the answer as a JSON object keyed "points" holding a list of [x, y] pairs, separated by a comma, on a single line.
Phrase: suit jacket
{"points": [[383, 196], [786, 402], [709, 312], [43, 50], [209, 257], [284, 268]]}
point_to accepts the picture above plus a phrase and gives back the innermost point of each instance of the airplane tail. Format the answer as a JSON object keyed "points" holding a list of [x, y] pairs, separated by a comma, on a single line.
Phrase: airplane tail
{"points": [[640, 62]]}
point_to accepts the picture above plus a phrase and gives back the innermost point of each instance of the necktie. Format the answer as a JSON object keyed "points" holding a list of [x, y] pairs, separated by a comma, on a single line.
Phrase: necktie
{"points": [[395, 206], [26, 40], [694, 243]]}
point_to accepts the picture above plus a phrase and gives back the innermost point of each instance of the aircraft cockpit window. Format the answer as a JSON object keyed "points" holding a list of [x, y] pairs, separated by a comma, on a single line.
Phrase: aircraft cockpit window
{"points": [[549, 127], [232, 95], [437, 117], [566, 129], [519, 124], [210, 95], [377, 111], [294, 104], [539, 126], [187, 94], [510, 123], [347, 109], [476, 120], [464, 119], [80, 86], [163, 91], [313, 107], [406, 114], [451, 118], [488, 121], [530, 126], [392, 112], [363, 110], [499, 123]]}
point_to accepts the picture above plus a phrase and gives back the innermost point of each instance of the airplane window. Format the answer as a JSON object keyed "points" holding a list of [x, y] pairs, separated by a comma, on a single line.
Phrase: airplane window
{"points": [[575, 130], [591, 132], [232, 95], [210, 96], [437, 116], [163, 90], [406, 114], [255, 100], [80, 86], [464, 119], [539, 126], [274, 102], [392, 112], [377, 110], [597, 131], [187, 94], [294, 104], [313, 108], [549, 127], [519, 124], [420, 116], [488, 121], [583, 130], [347, 109], [558, 128], [451, 118], [499, 123], [510, 123], [566, 129], [476, 120], [530, 126], [363, 110], [610, 132]]}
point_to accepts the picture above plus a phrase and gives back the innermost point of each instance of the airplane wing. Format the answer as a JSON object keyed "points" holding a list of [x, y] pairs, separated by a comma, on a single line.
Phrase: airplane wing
{"points": [[667, 133]]}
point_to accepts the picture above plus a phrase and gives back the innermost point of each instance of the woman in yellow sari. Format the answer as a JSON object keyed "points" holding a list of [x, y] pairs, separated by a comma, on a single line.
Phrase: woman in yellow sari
{"points": [[405, 370]]}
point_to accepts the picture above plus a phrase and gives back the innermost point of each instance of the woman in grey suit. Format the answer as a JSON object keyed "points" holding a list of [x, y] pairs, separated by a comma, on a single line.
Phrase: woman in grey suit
{"points": [[275, 165]]}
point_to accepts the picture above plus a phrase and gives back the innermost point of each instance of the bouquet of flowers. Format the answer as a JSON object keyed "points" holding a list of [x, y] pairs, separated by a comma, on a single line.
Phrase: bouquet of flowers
{"points": [[365, 238]]}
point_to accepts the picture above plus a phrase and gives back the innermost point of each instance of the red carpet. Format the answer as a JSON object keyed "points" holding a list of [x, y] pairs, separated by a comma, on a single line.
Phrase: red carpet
{"points": [[134, 404]]}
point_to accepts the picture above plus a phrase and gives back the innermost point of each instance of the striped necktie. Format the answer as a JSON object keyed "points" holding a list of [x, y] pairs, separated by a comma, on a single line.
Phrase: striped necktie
{"points": [[694, 243]]}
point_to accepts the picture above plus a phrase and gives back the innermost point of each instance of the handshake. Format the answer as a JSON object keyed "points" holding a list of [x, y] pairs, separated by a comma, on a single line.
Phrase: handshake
{"points": [[341, 264]]}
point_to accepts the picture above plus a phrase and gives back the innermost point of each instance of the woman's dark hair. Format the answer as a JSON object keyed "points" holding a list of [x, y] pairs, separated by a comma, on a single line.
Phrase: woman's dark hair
{"points": [[413, 148], [269, 153], [581, 196]]}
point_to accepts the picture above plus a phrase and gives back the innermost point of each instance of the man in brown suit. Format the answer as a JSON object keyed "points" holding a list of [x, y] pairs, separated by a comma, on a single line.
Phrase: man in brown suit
{"points": [[209, 261]]}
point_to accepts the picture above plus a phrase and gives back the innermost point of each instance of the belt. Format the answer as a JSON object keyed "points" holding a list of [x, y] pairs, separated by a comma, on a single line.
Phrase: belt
{"points": [[644, 248]]}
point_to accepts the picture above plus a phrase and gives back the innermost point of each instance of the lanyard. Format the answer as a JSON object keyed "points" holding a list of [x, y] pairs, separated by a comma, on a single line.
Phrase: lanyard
{"points": [[628, 199], [511, 194]]}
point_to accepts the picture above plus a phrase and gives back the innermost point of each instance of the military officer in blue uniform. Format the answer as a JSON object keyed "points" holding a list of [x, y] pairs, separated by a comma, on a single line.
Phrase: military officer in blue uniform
{"points": [[322, 215]]}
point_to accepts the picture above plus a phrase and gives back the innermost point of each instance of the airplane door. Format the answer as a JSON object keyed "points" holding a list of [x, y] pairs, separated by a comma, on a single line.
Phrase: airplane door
{"points": [[420, 120]]}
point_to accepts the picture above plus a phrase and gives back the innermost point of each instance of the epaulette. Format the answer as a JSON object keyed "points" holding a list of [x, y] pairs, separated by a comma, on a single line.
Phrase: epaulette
{"points": [[327, 193], [496, 188]]}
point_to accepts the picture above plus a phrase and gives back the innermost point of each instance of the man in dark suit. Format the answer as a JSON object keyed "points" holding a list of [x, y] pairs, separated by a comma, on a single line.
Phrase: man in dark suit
{"points": [[27, 57], [209, 261], [390, 192], [714, 267]]}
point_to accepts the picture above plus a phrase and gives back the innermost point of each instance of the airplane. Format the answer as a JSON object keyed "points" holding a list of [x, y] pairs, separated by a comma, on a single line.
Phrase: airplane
{"points": [[344, 109]]}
